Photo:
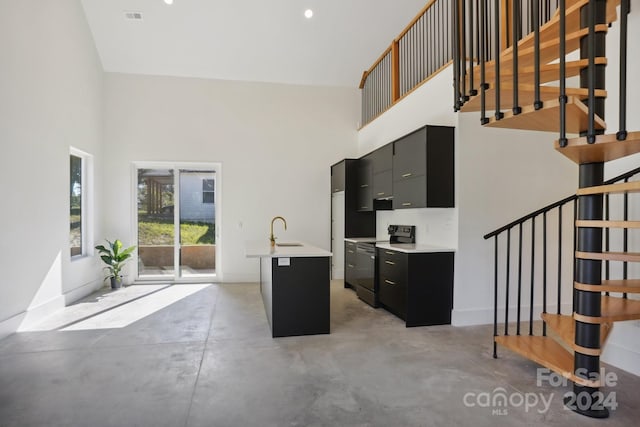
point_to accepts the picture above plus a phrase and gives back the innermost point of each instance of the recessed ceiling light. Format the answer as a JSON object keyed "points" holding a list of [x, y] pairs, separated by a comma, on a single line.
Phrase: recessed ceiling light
{"points": [[308, 13], [168, 1]]}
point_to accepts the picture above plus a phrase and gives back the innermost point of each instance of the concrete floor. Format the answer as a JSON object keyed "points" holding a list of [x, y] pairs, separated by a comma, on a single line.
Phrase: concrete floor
{"points": [[203, 356]]}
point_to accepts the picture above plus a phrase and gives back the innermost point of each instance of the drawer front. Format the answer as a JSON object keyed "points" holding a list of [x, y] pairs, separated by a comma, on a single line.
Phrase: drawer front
{"points": [[392, 266], [393, 296]]}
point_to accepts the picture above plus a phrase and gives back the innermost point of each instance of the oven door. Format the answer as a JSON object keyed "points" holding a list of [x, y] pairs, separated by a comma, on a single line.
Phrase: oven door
{"points": [[366, 289]]}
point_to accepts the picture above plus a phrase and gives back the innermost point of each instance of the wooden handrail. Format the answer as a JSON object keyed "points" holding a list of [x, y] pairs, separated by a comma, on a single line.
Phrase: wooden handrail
{"points": [[416, 19], [375, 64]]}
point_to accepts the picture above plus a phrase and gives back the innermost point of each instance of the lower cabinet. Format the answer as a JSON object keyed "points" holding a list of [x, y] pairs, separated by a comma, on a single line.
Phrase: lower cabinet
{"points": [[417, 287], [350, 265]]}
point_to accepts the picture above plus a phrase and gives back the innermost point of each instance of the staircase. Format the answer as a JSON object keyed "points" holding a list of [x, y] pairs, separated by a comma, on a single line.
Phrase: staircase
{"points": [[552, 79]]}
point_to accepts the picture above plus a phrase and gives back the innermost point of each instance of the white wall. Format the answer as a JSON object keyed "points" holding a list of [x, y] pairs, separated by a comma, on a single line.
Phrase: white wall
{"points": [[275, 144], [51, 86], [623, 347]]}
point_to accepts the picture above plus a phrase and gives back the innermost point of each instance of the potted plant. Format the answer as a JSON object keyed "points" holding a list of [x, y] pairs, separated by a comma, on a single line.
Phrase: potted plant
{"points": [[115, 257]]}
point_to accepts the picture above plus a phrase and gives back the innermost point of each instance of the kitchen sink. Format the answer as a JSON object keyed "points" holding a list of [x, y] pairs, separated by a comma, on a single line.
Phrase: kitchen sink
{"points": [[283, 244]]}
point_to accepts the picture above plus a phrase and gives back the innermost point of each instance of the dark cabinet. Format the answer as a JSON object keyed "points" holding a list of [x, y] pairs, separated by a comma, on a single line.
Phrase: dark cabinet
{"points": [[392, 282], [350, 264], [344, 176], [382, 185], [382, 176], [365, 195], [423, 169], [417, 287], [338, 174]]}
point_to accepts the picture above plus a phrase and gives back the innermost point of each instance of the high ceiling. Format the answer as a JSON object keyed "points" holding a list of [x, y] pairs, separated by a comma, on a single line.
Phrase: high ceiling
{"points": [[250, 40]]}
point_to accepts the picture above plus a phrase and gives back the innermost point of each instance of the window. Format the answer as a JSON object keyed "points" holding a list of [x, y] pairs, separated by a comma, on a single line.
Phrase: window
{"points": [[79, 164], [207, 191]]}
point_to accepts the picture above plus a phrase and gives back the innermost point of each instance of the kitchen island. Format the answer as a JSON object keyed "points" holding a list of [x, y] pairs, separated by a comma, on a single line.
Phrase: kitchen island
{"points": [[294, 283]]}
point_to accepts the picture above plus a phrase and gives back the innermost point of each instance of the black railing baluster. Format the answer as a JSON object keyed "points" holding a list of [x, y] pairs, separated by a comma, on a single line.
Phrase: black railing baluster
{"points": [[496, 14], [506, 304], [472, 89], [483, 59], [458, 58], [533, 268], [624, 11], [591, 48], [607, 230], [575, 247], [625, 235], [495, 296], [519, 278], [563, 83], [463, 47], [515, 24], [537, 102], [559, 258], [544, 270]]}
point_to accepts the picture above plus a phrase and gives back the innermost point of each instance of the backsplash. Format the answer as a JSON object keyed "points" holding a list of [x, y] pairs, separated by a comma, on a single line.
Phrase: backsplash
{"points": [[434, 226]]}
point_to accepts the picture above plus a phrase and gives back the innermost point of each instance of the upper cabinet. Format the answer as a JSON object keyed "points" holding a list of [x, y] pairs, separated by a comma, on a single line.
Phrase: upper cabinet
{"points": [[365, 197], [382, 180], [338, 175], [423, 169]]}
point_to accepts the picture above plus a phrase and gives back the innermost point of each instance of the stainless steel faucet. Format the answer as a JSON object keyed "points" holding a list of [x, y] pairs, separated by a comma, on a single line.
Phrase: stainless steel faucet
{"points": [[272, 237]]}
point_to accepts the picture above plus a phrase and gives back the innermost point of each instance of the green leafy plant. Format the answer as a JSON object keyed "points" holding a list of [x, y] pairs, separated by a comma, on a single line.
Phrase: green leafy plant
{"points": [[115, 257]]}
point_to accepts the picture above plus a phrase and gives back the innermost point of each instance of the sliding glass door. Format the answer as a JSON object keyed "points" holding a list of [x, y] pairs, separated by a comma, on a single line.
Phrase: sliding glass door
{"points": [[176, 222]]}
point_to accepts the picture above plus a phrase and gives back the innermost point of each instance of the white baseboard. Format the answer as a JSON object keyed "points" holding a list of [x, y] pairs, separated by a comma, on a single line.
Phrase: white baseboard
{"points": [[484, 316], [78, 293], [35, 315], [29, 318], [10, 325], [240, 278]]}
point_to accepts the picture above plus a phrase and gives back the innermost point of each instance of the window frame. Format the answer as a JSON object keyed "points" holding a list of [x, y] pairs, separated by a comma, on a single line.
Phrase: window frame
{"points": [[86, 203]]}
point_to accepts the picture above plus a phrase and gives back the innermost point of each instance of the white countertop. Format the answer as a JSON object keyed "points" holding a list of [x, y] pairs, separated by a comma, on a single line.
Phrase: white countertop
{"points": [[363, 240], [263, 249], [412, 248]]}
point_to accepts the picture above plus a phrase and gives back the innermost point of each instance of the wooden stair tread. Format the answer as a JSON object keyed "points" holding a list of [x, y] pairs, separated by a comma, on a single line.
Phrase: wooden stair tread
{"points": [[565, 327], [548, 118], [623, 187], [604, 149], [546, 352], [630, 286], [548, 72], [526, 95], [607, 224], [614, 309], [610, 256], [549, 31], [548, 52]]}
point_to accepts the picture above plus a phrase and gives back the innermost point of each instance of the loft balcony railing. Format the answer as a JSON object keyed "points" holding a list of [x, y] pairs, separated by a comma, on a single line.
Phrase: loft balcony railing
{"points": [[420, 51]]}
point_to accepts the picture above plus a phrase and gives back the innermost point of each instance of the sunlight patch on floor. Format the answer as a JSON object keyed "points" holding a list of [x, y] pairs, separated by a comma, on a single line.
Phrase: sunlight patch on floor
{"points": [[126, 314]]}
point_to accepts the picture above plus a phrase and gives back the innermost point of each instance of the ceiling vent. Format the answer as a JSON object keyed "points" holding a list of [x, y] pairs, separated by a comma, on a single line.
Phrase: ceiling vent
{"points": [[133, 16]]}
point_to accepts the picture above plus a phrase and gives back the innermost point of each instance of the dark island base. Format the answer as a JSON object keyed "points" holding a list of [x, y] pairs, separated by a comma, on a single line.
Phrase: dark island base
{"points": [[296, 296]]}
